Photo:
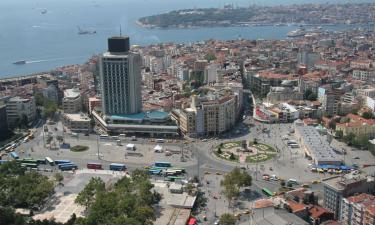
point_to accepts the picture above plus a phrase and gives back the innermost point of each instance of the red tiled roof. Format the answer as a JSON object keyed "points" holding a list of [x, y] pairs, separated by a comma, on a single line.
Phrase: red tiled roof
{"points": [[295, 206], [361, 198], [317, 211], [263, 203]]}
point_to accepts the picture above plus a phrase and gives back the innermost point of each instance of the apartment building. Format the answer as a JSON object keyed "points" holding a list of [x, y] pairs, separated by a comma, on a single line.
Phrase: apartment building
{"points": [[353, 208], [17, 107], [72, 101]]}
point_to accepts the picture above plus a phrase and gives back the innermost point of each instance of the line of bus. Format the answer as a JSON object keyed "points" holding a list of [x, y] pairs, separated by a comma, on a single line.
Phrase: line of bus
{"points": [[61, 161], [268, 192], [29, 165]]}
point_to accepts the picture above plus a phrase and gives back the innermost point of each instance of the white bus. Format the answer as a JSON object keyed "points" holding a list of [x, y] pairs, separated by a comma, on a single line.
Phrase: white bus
{"points": [[103, 136], [50, 161]]}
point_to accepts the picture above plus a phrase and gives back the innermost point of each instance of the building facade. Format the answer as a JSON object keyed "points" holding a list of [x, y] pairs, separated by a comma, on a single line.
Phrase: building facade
{"points": [[72, 101], [353, 209], [78, 122], [17, 107], [120, 78]]}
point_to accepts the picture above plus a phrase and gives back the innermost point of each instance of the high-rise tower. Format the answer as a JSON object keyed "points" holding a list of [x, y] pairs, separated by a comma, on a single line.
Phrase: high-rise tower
{"points": [[120, 78]]}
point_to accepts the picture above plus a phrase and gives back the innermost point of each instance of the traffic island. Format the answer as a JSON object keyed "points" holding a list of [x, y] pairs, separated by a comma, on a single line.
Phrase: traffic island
{"points": [[240, 151]]}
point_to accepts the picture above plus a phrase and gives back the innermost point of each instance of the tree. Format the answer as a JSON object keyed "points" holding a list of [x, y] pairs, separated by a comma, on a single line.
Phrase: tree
{"points": [[39, 99], [87, 196], [49, 109], [210, 57], [227, 219], [282, 183], [339, 134], [59, 178], [219, 151], [332, 124], [232, 157], [312, 97], [233, 181], [368, 115]]}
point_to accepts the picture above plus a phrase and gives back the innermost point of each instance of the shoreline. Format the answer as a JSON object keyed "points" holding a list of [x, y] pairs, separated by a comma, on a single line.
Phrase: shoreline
{"points": [[181, 27]]}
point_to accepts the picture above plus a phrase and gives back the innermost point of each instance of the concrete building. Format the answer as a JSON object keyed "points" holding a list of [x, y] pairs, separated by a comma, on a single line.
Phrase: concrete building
{"points": [[283, 94], [72, 101], [353, 208], [120, 78], [358, 126], [364, 74], [208, 115], [262, 82], [51, 93], [78, 122], [339, 187], [315, 145], [4, 131], [17, 107]]}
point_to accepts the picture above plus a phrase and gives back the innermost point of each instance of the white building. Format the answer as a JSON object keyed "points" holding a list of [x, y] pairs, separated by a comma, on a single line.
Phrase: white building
{"points": [[78, 122], [17, 107], [72, 101], [120, 78]]}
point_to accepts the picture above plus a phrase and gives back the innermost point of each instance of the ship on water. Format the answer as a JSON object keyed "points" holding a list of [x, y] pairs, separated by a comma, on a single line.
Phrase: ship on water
{"points": [[21, 62], [83, 32], [297, 33], [44, 11]]}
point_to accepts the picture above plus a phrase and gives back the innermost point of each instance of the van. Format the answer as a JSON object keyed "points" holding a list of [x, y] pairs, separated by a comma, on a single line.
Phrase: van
{"points": [[134, 138], [159, 140], [292, 181]]}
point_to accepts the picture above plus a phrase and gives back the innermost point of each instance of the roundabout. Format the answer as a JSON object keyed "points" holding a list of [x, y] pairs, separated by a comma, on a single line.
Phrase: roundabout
{"points": [[245, 152]]}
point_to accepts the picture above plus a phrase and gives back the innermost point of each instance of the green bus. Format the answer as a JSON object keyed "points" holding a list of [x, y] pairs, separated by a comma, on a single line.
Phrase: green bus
{"points": [[33, 161], [174, 178], [29, 165], [268, 192]]}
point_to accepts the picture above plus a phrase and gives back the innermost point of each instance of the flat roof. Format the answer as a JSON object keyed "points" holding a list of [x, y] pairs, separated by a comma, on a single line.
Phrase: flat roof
{"points": [[316, 144], [155, 114], [77, 117], [71, 93]]}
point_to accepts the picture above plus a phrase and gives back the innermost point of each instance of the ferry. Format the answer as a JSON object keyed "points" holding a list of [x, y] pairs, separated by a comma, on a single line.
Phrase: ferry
{"points": [[44, 11], [21, 62], [297, 33]]}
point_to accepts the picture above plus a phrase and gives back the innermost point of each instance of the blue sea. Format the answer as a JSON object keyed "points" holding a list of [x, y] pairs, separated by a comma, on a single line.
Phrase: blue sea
{"points": [[50, 40]]}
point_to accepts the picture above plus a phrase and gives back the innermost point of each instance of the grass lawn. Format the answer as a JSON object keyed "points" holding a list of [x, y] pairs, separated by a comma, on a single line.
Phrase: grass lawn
{"points": [[79, 148], [261, 157]]}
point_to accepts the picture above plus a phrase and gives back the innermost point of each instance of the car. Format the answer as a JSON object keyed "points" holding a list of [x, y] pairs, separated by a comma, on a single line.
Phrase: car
{"points": [[357, 157], [217, 222], [305, 185], [218, 173], [204, 140], [316, 181], [246, 211], [206, 172], [237, 215]]}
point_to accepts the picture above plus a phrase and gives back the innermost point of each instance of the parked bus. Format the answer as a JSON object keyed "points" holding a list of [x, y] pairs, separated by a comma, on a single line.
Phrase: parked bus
{"points": [[34, 161], [61, 161], [65, 164], [268, 192], [103, 136], [293, 145], [291, 142], [117, 167], [50, 161], [172, 172], [174, 178], [14, 155], [93, 165], [29, 165], [154, 171], [69, 167], [8, 149], [163, 164], [41, 161]]}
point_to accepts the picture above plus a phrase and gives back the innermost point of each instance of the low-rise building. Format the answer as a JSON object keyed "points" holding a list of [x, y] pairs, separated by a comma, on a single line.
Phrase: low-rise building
{"points": [[352, 211], [358, 126], [315, 145], [339, 187], [283, 94], [78, 122]]}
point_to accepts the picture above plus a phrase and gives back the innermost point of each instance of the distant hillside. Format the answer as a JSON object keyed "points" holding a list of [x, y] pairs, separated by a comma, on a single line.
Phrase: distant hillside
{"points": [[311, 14]]}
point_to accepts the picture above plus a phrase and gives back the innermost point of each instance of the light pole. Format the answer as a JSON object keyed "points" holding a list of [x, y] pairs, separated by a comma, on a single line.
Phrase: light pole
{"points": [[97, 144]]}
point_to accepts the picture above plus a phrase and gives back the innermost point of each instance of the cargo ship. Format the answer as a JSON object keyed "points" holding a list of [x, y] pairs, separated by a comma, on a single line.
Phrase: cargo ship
{"points": [[297, 33]]}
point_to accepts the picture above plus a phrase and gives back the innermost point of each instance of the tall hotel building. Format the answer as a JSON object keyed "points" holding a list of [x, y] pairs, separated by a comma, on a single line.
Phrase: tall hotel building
{"points": [[120, 78]]}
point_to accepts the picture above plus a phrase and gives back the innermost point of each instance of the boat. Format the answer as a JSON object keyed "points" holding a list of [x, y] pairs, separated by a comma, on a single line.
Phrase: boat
{"points": [[83, 32], [44, 11], [297, 33], [21, 62]]}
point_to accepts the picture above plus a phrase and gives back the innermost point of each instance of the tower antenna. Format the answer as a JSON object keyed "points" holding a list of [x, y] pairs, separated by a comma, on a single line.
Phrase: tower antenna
{"points": [[120, 31]]}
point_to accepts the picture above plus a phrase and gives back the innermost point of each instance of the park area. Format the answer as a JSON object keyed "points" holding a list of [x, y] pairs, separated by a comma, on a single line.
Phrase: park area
{"points": [[243, 152]]}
